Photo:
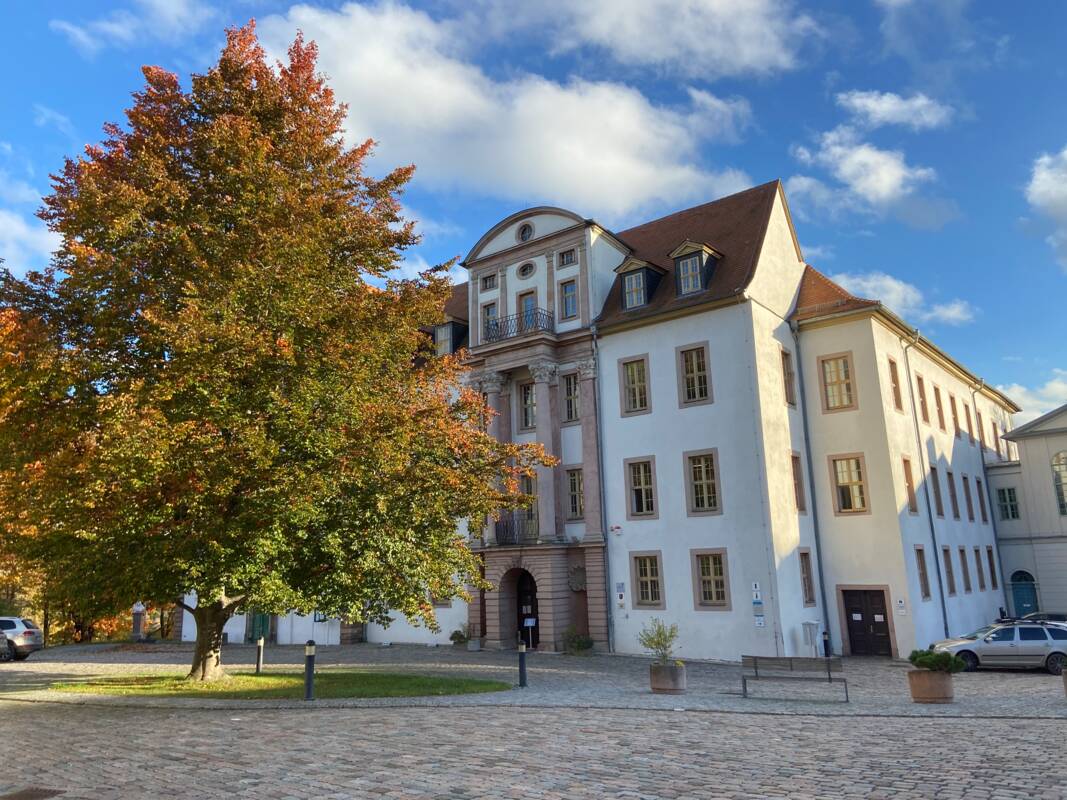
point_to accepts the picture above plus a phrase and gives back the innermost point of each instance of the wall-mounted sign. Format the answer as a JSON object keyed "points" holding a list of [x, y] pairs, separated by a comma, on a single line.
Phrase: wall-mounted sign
{"points": [[879, 618], [757, 596], [901, 608], [760, 621]]}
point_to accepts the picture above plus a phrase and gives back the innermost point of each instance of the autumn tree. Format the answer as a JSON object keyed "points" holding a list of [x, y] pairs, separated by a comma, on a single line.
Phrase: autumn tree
{"points": [[207, 393]]}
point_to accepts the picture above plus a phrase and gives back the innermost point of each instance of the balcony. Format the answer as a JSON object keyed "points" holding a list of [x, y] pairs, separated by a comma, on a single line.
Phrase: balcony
{"points": [[518, 527], [531, 321]]}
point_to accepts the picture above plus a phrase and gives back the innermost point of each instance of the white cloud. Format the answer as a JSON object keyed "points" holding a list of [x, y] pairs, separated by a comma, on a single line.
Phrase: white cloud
{"points": [[24, 244], [1047, 194], [429, 227], [816, 252], [874, 109], [1037, 400], [414, 264], [163, 20], [15, 190], [600, 147], [43, 117], [905, 298]]}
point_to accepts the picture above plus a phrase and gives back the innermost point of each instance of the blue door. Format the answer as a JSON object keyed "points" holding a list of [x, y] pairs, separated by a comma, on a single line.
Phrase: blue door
{"points": [[1023, 593]]}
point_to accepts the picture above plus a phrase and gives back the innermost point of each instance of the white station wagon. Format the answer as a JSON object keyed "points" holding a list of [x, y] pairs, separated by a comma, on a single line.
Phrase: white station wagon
{"points": [[1012, 644]]}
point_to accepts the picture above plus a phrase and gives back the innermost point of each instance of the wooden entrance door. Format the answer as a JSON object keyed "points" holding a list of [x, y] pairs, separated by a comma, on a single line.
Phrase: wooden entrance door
{"points": [[867, 618], [527, 597]]}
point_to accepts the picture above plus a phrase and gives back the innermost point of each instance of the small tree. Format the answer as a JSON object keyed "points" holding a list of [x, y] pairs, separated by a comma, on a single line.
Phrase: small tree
{"points": [[659, 638], [206, 392]]}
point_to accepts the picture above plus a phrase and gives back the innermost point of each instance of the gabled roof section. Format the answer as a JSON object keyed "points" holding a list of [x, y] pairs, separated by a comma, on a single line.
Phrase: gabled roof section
{"points": [[1054, 421], [820, 297], [735, 224], [456, 305], [513, 218]]}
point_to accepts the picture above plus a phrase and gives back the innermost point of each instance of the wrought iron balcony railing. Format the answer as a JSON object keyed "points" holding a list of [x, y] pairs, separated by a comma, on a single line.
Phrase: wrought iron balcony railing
{"points": [[518, 527], [537, 319]]}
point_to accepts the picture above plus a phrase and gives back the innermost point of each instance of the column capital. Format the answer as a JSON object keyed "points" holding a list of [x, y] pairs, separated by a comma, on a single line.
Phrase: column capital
{"points": [[543, 371], [587, 368], [491, 382]]}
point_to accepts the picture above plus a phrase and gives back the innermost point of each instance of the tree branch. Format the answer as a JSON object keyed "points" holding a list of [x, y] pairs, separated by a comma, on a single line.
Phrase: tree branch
{"points": [[186, 606]]}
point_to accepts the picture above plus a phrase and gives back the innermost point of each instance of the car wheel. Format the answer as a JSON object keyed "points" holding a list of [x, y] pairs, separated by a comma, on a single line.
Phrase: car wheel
{"points": [[970, 661], [1056, 663], [7, 652]]}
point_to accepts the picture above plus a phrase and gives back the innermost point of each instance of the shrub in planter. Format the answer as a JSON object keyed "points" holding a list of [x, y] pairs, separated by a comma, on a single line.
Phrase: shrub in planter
{"points": [[459, 637], [931, 680], [576, 644], [666, 675]]}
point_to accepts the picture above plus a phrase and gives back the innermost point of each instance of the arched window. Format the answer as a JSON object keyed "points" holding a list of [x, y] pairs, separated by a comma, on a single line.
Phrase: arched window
{"points": [[1059, 480]]}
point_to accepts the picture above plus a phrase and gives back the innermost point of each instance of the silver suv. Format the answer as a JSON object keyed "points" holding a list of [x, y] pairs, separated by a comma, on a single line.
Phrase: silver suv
{"points": [[1012, 644], [23, 637]]}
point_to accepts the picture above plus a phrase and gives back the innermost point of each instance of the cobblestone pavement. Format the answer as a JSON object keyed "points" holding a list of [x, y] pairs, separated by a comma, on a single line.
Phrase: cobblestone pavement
{"points": [[876, 687], [511, 753]]}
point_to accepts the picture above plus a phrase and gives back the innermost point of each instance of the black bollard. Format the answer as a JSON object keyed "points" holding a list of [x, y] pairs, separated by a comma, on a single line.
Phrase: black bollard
{"points": [[309, 670], [826, 644], [259, 655], [522, 665]]}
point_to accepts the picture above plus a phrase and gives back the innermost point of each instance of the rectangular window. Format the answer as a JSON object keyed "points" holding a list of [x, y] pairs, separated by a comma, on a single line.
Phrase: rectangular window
{"points": [[992, 560], [965, 570], [648, 584], [1007, 503], [850, 496], [689, 275], [633, 289], [571, 399], [488, 282], [970, 427], [703, 483], [894, 382], [950, 576], [442, 337], [575, 494], [568, 291], [924, 577], [981, 498], [694, 367], [567, 257], [979, 570], [981, 430], [935, 480], [528, 311], [489, 322], [635, 386], [967, 500], [836, 375], [924, 409], [789, 378], [527, 406], [940, 408], [798, 484], [955, 416], [952, 498], [641, 488], [807, 578], [909, 485], [711, 583]]}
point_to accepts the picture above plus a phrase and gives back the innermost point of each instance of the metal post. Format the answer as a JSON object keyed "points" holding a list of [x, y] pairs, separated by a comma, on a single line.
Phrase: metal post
{"points": [[522, 665], [826, 643], [309, 670], [259, 655]]}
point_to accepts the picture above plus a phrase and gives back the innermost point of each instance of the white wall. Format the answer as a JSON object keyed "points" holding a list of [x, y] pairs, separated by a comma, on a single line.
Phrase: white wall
{"points": [[403, 631], [294, 628], [234, 628]]}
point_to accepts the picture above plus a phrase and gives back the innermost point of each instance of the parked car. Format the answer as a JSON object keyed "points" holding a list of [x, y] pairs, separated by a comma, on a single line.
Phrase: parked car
{"points": [[6, 653], [1012, 644], [23, 636], [1046, 616]]}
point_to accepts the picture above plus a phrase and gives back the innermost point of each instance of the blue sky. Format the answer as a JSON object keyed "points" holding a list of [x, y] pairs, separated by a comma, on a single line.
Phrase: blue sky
{"points": [[923, 142]]}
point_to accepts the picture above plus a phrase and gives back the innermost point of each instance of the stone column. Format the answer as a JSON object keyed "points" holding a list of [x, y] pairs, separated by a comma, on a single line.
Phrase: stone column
{"points": [[544, 375], [492, 384], [594, 521]]}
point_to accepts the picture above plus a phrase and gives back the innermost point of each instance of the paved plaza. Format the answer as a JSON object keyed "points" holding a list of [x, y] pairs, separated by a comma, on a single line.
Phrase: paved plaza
{"points": [[585, 728]]}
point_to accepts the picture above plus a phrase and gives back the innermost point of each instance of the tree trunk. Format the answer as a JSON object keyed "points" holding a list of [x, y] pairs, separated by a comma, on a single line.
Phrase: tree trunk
{"points": [[207, 657]]}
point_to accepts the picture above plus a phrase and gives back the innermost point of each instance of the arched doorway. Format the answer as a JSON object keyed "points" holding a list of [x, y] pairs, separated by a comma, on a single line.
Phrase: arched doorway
{"points": [[518, 608], [1023, 592]]}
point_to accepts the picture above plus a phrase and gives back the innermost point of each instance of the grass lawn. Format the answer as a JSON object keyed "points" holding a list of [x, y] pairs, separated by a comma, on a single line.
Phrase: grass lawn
{"points": [[285, 685]]}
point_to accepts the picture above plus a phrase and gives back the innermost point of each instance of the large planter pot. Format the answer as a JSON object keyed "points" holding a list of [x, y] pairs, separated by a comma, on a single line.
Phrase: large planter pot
{"points": [[1065, 681], [667, 678], [474, 645], [929, 686]]}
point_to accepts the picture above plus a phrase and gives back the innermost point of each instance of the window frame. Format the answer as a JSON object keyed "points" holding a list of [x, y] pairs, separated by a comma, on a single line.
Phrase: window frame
{"points": [[800, 496], [680, 374], [992, 559], [970, 422], [853, 404], [495, 306], [924, 408], [940, 407], [950, 574], [698, 274], [939, 500], [635, 592], [1008, 508], [956, 430], [561, 293], [624, 392], [565, 399], [968, 500], [909, 485], [965, 570], [1059, 481], [573, 252], [627, 291], [489, 282], [923, 572], [894, 384], [864, 482], [697, 579], [807, 577], [690, 489], [789, 377], [978, 568], [631, 514], [569, 513], [979, 489], [953, 497], [523, 405]]}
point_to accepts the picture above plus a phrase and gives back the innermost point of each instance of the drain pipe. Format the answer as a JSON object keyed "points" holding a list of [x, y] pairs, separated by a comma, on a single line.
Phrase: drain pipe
{"points": [[600, 488], [798, 372], [921, 452]]}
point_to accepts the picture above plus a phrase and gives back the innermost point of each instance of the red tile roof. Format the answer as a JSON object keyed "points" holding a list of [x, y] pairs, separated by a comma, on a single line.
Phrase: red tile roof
{"points": [[734, 226], [819, 297]]}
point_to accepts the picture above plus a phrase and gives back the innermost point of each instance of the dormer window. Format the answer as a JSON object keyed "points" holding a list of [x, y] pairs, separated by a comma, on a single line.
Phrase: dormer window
{"points": [[525, 232], [634, 289], [690, 278]]}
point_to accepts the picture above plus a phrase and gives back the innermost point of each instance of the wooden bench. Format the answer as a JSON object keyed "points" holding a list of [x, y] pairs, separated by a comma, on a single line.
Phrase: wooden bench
{"points": [[775, 668]]}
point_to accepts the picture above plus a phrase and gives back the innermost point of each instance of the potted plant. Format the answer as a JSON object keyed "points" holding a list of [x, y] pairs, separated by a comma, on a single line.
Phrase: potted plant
{"points": [[931, 680], [459, 637], [666, 675]]}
